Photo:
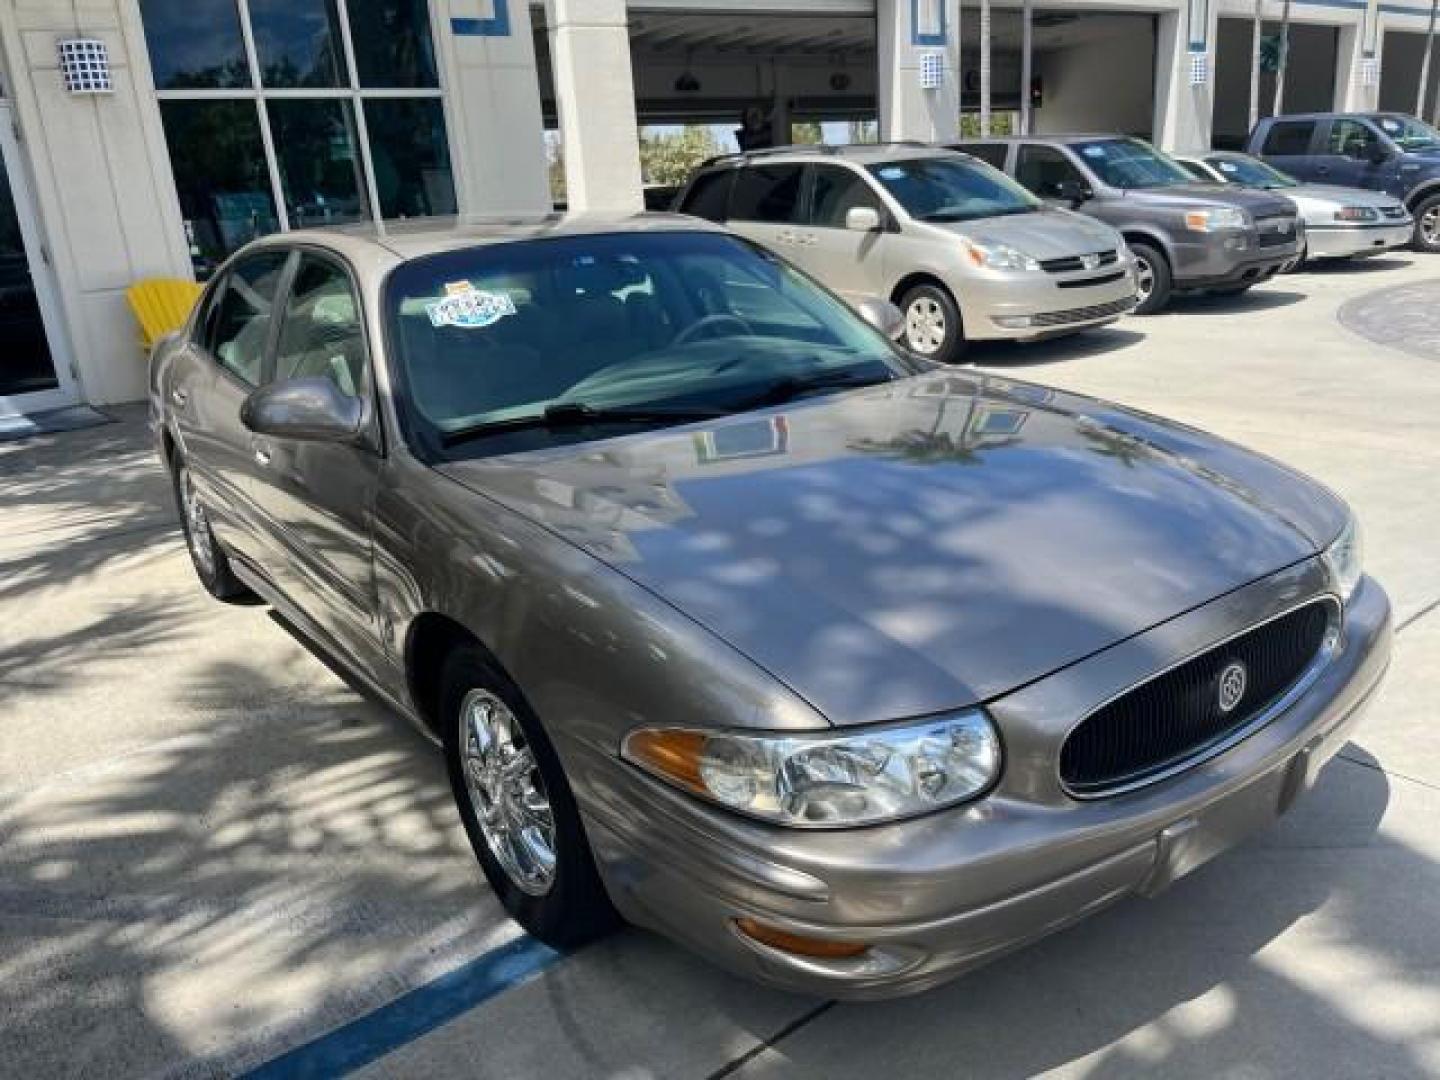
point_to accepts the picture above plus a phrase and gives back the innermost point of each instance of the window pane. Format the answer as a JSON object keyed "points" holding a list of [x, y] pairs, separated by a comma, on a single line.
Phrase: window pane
{"points": [[767, 193], [1044, 170], [321, 335], [410, 156], [297, 42], [1289, 138], [241, 321], [219, 165], [194, 43], [319, 166], [392, 42], [708, 195], [836, 191]]}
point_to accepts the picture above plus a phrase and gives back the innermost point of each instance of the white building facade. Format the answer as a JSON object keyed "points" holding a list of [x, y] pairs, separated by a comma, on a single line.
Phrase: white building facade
{"points": [[226, 119]]}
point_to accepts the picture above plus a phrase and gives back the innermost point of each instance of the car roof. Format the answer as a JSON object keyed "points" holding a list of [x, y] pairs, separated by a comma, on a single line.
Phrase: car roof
{"points": [[413, 238], [1335, 116], [1077, 137], [860, 153]]}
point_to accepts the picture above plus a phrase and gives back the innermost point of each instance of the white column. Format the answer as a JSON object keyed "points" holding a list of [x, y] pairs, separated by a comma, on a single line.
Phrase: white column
{"points": [[907, 30], [595, 97], [492, 90], [1357, 55], [1184, 113]]}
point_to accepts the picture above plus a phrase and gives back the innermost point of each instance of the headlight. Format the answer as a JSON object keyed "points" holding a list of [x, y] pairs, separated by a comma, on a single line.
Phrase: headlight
{"points": [[994, 256], [1216, 218], [833, 780], [1345, 560], [1357, 213]]}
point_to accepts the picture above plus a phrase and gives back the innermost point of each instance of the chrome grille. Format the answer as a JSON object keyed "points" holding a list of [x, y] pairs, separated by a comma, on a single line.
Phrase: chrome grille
{"points": [[1175, 719], [1068, 263], [1275, 231]]}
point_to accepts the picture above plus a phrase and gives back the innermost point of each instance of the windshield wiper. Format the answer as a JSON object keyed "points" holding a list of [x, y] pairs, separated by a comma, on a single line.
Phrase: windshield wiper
{"points": [[790, 387], [572, 414]]}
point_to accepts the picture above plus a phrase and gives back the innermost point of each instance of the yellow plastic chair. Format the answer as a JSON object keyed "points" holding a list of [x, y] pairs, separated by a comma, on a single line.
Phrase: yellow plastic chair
{"points": [[160, 306]]}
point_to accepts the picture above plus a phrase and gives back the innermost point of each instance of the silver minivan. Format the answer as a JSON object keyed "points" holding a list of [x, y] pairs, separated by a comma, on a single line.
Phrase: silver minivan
{"points": [[967, 253]]}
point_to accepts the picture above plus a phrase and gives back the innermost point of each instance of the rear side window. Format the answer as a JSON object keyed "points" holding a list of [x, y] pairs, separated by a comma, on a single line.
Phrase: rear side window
{"points": [[835, 191], [993, 154], [1289, 138], [708, 195], [767, 193], [239, 325]]}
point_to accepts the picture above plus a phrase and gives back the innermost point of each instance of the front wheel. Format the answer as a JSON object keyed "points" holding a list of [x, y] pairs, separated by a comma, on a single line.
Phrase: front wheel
{"points": [[517, 808], [932, 324], [1427, 225], [1152, 279]]}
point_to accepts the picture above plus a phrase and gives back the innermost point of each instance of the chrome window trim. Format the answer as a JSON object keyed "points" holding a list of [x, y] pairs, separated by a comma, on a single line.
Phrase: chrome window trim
{"points": [[1328, 647]]}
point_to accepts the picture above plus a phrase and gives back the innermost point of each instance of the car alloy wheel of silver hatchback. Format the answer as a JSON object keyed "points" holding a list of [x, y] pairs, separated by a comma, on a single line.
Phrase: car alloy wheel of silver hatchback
{"points": [[197, 525], [925, 325], [506, 792]]}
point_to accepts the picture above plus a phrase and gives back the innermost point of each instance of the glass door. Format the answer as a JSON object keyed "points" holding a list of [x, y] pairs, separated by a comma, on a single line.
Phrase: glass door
{"points": [[34, 373]]}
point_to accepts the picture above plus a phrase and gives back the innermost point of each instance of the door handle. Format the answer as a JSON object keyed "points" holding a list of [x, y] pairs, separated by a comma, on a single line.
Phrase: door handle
{"points": [[179, 396], [807, 239], [261, 452], [786, 236], [1323, 170]]}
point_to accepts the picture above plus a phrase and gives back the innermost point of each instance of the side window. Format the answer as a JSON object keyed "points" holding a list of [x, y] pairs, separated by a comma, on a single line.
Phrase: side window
{"points": [[708, 195], [239, 324], [320, 335], [992, 154], [1288, 138], [767, 193], [1350, 138], [1043, 169], [835, 191]]}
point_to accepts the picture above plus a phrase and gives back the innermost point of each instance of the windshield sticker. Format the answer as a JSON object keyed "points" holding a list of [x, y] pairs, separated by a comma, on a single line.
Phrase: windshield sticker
{"points": [[1093, 151], [1227, 167], [1391, 126], [892, 172], [468, 307]]}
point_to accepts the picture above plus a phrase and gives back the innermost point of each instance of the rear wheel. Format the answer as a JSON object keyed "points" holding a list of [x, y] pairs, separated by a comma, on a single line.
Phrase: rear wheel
{"points": [[1427, 225], [932, 324], [1152, 278], [212, 565], [517, 808]]}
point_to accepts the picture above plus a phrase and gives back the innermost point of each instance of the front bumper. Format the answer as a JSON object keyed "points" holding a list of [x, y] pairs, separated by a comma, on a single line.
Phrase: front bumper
{"points": [[1035, 304], [942, 894], [1215, 260], [1339, 240]]}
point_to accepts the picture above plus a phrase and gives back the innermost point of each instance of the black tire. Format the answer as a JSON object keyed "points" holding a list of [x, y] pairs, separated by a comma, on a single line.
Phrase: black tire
{"points": [[1427, 225], [212, 565], [574, 907], [1150, 259], [933, 306]]}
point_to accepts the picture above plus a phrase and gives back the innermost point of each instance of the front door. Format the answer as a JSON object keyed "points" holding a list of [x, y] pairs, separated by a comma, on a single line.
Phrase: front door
{"points": [[852, 263], [34, 368]]}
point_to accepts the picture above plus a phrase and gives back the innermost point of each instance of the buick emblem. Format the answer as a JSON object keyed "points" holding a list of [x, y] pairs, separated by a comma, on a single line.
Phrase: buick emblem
{"points": [[1232, 685], [1089, 262]]}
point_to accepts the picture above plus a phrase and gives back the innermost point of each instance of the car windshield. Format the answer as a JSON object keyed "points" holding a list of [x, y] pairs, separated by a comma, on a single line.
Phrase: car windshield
{"points": [[1251, 173], [1408, 133], [516, 346], [1129, 164], [952, 189]]}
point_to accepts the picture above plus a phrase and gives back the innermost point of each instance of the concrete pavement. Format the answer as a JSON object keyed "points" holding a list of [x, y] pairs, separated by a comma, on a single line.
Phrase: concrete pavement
{"points": [[213, 850]]}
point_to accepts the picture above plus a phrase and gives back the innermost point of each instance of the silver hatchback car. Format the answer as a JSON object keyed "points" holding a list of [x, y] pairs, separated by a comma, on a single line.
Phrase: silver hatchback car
{"points": [[735, 621], [964, 251]]}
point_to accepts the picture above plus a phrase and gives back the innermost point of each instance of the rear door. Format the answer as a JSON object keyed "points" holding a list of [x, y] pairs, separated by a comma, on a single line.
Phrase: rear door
{"points": [[227, 362], [317, 498], [766, 205], [850, 262], [1289, 146]]}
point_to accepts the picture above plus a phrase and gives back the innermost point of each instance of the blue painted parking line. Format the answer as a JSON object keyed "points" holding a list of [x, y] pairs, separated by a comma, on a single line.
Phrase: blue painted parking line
{"points": [[416, 1013]]}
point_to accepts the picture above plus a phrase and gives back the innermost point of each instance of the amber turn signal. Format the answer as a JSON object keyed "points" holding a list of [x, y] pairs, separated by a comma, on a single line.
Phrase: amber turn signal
{"points": [[820, 948], [675, 754]]}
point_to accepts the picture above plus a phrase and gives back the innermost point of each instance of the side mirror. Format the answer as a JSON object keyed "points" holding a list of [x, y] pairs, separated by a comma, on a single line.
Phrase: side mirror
{"points": [[1074, 192], [312, 409], [862, 219], [1377, 154], [882, 315]]}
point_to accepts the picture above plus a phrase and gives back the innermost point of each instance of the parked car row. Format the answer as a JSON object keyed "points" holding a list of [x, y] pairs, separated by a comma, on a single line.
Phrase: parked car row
{"points": [[1059, 234]]}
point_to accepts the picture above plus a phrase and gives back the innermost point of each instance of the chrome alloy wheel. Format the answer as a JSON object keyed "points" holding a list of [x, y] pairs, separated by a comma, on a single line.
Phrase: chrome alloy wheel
{"points": [[925, 325], [197, 525], [506, 792], [1144, 278], [1430, 225]]}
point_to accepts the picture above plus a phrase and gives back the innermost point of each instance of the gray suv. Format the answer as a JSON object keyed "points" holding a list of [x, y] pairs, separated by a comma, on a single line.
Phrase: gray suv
{"points": [[1388, 152], [1184, 235], [962, 249]]}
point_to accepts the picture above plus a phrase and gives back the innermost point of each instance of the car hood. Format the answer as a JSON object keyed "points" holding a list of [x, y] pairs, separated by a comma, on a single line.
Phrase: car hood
{"points": [[925, 544], [1258, 203], [1044, 234]]}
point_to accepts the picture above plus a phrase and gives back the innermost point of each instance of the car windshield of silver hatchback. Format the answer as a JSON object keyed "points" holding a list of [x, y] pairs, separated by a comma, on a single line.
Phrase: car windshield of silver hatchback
{"points": [[1408, 133], [516, 346], [1130, 164], [1251, 172], [943, 189]]}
